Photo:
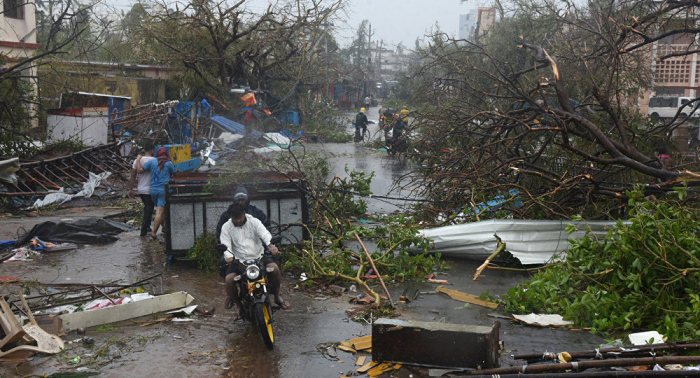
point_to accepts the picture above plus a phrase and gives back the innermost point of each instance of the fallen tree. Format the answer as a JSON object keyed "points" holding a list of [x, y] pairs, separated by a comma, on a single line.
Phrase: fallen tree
{"points": [[545, 105], [645, 275]]}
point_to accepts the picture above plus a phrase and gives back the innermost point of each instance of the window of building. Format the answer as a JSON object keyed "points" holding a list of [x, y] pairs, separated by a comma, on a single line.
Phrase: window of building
{"points": [[13, 9]]}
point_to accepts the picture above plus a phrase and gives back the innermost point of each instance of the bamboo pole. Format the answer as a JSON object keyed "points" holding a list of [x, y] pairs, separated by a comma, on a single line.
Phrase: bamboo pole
{"points": [[604, 374], [499, 249], [677, 346], [582, 365], [381, 280]]}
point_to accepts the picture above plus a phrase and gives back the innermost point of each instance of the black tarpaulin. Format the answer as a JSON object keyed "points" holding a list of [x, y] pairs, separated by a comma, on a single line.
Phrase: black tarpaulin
{"points": [[83, 231]]}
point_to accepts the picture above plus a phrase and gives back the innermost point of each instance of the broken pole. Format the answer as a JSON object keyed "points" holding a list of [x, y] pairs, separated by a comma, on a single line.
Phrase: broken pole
{"points": [[381, 280]]}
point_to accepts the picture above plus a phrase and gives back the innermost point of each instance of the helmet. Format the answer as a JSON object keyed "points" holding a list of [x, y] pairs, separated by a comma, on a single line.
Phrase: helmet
{"points": [[396, 116], [362, 110]]}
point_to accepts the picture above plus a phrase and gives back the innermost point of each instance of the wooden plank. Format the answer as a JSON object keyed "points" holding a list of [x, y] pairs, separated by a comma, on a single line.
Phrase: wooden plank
{"points": [[360, 339], [360, 360], [364, 368], [85, 319], [363, 345], [464, 297], [380, 369], [347, 348]]}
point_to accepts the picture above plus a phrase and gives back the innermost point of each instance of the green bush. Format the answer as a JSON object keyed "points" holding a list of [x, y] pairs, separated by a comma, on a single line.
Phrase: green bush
{"points": [[645, 275]]}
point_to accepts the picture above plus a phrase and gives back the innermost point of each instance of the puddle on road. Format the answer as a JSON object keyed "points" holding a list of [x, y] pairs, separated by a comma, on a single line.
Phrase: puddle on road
{"points": [[128, 259], [360, 158]]}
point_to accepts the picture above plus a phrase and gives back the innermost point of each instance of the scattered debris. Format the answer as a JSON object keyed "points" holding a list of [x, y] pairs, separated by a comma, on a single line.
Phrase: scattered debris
{"points": [[61, 197], [31, 333], [66, 174], [543, 320], [464, 297], [346, 346], [130, 310], [646, 338], [361, 343]]}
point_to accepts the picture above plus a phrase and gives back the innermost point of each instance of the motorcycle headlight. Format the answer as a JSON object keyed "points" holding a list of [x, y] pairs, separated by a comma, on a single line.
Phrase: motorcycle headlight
{"points": [[252, 271]]}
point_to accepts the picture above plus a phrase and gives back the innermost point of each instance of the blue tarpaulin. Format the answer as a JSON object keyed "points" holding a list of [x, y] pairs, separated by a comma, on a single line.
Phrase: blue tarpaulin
{"points": [[233, 127]]}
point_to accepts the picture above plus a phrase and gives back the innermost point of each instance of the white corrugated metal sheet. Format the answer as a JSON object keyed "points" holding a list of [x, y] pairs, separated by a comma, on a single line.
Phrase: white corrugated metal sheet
{"points": [[531, 241]]}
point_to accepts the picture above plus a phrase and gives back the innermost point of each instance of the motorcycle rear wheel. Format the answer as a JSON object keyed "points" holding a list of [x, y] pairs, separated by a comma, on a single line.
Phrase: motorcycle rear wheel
{"points": [[263, 319]]}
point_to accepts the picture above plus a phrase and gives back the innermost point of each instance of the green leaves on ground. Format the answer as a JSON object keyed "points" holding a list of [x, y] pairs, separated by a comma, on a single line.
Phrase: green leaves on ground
{"points": [[645, 275], [320, 257], [204, 251]]}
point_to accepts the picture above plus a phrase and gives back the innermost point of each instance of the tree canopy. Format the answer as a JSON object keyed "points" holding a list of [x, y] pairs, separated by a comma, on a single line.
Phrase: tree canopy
{"points": [[543, 109]]}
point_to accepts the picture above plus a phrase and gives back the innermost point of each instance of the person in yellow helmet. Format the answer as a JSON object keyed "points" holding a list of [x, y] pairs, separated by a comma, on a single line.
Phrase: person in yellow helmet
{"points": [[404, 115], [360, 124]]}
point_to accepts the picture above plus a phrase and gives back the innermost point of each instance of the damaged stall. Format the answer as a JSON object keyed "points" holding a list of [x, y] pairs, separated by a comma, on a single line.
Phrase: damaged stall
{"points": [[65, 174], [191, 210]]}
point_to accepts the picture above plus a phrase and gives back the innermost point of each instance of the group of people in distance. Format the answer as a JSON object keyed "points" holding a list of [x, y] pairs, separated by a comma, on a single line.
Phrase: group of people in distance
{"points": [[393, 124]]}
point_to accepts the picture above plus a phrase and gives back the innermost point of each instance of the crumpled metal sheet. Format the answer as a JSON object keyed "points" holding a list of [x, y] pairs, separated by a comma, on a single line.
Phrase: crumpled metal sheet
{"points": [[530, 241], [7, 170]]}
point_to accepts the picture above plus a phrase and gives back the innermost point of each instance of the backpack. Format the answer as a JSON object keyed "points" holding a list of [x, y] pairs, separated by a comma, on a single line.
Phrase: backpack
{"points": [[360, 119]]}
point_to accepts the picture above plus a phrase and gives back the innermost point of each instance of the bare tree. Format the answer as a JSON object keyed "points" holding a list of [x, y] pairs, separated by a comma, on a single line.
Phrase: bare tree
{"points": [[223, 43], [543, 111], [60, 25]]}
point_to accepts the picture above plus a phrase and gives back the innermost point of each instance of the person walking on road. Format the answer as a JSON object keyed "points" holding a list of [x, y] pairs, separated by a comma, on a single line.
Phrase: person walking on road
{"points": [[143, 188], [161, 168], [368, 102]]}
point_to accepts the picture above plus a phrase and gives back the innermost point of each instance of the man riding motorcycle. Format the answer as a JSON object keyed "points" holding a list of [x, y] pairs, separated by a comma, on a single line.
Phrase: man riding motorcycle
{"points": [[241, 196], [397, 129], [242, 235]]}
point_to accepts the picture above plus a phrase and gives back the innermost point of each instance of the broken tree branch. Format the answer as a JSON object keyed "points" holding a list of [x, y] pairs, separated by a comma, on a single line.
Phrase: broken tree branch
{"points": [[501, 246], [381, 280]]}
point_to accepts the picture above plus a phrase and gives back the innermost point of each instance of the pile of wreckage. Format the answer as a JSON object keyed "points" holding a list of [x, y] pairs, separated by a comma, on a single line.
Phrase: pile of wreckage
{"points": [[36, 323], [463, 350], [196, 138]]}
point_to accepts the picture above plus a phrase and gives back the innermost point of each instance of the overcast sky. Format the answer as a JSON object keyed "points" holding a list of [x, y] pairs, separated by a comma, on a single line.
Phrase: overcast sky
{"points": [[393, 21], [397, 21]]}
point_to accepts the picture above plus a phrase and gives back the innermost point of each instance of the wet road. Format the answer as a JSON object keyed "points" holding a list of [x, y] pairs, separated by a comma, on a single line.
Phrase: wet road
{"points": [[216, 346]]}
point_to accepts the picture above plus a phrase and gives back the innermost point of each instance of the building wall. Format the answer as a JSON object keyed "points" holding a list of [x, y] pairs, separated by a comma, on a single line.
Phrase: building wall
{"points": [[18, 42], [485, 19], [467, 23], [13, 29], [144, 84]]}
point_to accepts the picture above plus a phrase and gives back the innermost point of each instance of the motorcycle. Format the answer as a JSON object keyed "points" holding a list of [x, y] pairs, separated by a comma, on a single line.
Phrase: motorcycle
{"points": [[400, 145], [253, 294]]}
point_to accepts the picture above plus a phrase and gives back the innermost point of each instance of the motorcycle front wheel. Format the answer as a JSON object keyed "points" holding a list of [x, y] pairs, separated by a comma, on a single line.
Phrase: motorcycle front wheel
{"points": [[263, 319]]}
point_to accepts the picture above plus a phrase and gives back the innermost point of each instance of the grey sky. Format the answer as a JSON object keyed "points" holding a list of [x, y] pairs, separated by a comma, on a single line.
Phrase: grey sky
{"points": [[397, 21], [393, 21]]}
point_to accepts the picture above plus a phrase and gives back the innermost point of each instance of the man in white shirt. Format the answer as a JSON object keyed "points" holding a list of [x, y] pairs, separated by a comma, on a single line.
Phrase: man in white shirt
{"points": [[242, 235], [144, 188]]}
